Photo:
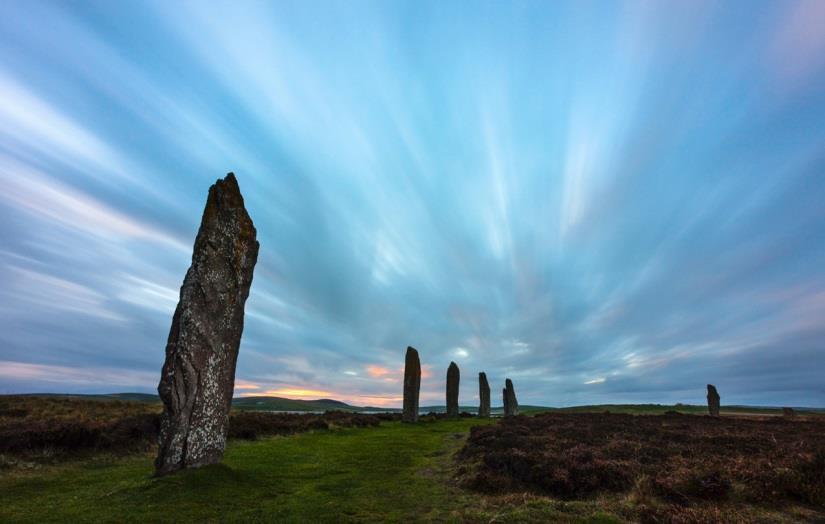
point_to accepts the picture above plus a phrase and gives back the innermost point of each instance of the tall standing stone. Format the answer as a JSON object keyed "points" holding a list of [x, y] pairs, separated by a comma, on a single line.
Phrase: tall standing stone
{"points": [[510, 402], [713, 401], [198, 376], [483, 396], [412, 385], [504, 401], [453, 377]]}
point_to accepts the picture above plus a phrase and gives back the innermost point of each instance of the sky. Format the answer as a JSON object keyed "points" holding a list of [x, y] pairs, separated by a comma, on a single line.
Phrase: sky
{"points": [[604, 201]]}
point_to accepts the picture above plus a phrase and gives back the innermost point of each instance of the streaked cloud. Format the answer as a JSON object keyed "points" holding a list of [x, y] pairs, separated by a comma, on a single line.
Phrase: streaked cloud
{"points": [[61, 376], [55, 202], [799, 44], [624, 208]]}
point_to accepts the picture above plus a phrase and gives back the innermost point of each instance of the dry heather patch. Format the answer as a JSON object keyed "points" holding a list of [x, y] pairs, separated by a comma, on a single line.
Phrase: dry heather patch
{"points": [[63, 425], [671, 467]]}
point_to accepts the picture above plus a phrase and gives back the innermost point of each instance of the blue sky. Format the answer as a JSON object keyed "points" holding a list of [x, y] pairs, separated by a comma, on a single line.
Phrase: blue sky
{"points": [[605, 202]]}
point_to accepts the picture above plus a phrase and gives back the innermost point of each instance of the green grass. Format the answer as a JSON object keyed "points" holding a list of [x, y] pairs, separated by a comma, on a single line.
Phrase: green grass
{"points": [[391, 473], [355, 474], [394, 472]]}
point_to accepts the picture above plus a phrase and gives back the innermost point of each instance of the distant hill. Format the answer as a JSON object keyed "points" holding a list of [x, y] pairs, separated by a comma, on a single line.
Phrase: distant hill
{"points": [[134, 397], [634, 409], [287, 404], [130, 397], [656, 409], [264, 403], [260, 403]]}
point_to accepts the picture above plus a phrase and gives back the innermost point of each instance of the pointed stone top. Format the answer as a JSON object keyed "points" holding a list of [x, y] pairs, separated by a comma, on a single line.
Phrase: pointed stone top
{"points": [[225, 193], [453, 364], [411, 349], [225, 212], [508, 382]]}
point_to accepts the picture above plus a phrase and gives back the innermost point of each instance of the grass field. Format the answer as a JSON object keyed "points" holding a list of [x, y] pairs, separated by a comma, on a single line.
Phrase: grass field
{"points": [[509, 471], [394, 472]]}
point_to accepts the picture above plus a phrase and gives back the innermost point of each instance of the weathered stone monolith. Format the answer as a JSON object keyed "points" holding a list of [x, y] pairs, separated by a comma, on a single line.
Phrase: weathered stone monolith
{"points": [[504, 401], [453, 377], [198, 376], [412, 385], [483, 396], [713, 401], [510, 402]]}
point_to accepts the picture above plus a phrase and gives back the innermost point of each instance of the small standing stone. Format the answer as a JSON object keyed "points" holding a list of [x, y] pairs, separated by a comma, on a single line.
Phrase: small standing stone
{"points": [[453, 378], [483, 396], [510, 402], [412, 385], [713, 401], [198, 376], [788, 412]]}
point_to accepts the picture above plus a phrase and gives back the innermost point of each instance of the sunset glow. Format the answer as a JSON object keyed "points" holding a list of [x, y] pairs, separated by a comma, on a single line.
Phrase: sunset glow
{"points": [[299, 393], [378, 371]]}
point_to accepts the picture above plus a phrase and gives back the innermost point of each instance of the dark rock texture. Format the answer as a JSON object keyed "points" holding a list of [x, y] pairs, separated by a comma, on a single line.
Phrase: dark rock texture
{"points": [[510, 402], [198, 375], [453, 377], [483, 396], [713, 400], [412, 385], [504, 401]]}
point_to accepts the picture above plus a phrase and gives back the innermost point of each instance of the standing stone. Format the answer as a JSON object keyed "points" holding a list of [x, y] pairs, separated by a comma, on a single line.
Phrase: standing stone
{"points": [[713, 400], [504, 401], [412, 385], [453, 377], [198, 376], [483, 396], [510, 402]]}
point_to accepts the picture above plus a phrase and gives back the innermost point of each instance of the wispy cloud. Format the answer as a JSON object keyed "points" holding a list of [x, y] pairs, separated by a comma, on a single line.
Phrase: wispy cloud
{"points": [[50, 200], [799, 44], [72, 375], [621, 211], [31, 291], [28, 120]]}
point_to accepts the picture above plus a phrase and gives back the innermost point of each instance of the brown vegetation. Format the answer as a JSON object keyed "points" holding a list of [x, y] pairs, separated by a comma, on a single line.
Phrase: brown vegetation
{"points": [[62, 425], [249, 425], [672, 468]]}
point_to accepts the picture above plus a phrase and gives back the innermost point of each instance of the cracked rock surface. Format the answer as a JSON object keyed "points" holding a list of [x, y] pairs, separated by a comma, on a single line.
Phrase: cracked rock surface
{"points": [[483, 395], [412, 385], [198, 376], [453, 377], [510, 402], [713, 400]]}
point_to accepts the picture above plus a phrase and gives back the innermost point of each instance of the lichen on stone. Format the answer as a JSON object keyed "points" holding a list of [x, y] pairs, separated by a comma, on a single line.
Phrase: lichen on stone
{"points": [[197, 380]]}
